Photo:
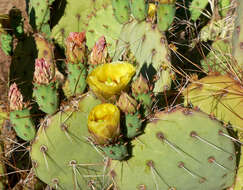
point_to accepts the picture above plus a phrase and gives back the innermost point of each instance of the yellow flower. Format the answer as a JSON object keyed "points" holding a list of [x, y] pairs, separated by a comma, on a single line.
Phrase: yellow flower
{"points": [[104, 123], [152, 11], [110, 79]]}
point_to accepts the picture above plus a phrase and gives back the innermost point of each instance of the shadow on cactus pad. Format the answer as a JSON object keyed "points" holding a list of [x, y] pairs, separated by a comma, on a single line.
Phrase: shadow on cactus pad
{"points": [[22, 66]]}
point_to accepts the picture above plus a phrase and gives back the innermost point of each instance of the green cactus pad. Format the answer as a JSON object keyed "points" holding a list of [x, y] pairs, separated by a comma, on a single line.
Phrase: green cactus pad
{"points": [[219, 95], [196, 8], [45, 50], [47, 97], [238, 181], [238, 36], [79, 12], [76, 78], [39, 11], [116, 151], [181, 149], [62, 154], [3, 179], [6, 43], [219, 58], [150, 48], [139, 9], [23, 124], [133, 125], [145, 99], [216, 30], [224, 7], [165, 16], [103, 24], [121, 10]]}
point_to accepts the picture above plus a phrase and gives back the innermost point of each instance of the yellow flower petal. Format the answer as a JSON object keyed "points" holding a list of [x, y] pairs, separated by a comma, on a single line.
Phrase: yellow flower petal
{"points": [[104, 123], [110, 79]]}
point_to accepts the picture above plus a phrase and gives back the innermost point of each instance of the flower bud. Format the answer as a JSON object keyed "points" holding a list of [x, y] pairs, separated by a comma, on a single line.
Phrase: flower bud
{"points": [[104, 123], [43, 72], [127, 104], [110, 79], [15, 98], [75, 47], [140, 85], [99, 52]]}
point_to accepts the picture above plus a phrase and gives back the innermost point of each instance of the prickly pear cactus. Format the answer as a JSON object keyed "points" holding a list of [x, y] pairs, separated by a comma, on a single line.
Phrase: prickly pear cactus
{"points": [[238, 181], [169, 150], [121, 10], [197, 7], [219, 58], [20, 115], [218, 95], [6, 43], [109, 118], [63, 155], [79, 13], [3, 116], [103, 24], [39, 12], [238, 36], [165, 14], [153, 59], [139, 9]]}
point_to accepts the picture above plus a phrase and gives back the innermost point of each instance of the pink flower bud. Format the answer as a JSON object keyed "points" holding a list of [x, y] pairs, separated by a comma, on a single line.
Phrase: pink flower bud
{"points": [[75, 47], [99, 52], [42, 74], [15, 98]]}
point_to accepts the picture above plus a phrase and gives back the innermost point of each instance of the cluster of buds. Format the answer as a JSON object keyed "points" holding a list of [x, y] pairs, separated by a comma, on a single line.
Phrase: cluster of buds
{"points": [[99, 54], [43, 73], [15, 98], [76, 47]]}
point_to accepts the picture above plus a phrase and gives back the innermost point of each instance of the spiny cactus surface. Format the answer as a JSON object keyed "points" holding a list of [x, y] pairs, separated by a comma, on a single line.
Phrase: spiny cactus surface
{"points": [[182, 144]]}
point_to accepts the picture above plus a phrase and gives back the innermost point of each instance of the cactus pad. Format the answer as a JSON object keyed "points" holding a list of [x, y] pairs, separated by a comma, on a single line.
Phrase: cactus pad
{"points": [[22, 124], [40, 11], [121, 10], [62, 154], [219, 58], [77, 11], [139, 9], [47, 98], [238, 36], [165, 16], [6, 43], [196, 8], [184, 145], [149, 46], [104, 24], [76, 78], [219, 95]]}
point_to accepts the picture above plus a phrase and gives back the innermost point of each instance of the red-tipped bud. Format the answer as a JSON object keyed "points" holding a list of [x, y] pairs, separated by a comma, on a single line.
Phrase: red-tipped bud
{"points": [[76, 48], [15, 98], [43, 73], [140, 85], [99, 52]]}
